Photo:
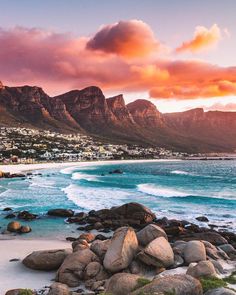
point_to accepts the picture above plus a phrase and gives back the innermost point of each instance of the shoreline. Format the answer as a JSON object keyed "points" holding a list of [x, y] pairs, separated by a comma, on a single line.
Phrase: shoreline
{"points": [[17, 168]]}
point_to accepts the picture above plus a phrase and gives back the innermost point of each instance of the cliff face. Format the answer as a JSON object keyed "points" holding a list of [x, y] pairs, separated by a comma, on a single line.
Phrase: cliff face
{"points": [[145, 113], [140, 122]]}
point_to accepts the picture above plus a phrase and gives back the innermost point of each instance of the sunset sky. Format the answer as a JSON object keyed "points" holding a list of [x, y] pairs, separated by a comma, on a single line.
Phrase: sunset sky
{"points": [[180, 54]]}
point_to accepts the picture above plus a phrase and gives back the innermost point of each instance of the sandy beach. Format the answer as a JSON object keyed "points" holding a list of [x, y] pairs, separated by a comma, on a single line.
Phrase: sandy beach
{"points": [[16, 168], [15, 274]]}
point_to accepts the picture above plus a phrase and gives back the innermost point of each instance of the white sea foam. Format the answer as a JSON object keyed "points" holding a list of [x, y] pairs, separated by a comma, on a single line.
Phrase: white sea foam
{"points": [[180, 172], [95, 198], [80, 176], [160, 191], [42, 182]]}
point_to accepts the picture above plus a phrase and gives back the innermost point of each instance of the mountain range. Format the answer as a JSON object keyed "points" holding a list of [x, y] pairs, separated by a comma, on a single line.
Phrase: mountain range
{"points": [[110, 119]]}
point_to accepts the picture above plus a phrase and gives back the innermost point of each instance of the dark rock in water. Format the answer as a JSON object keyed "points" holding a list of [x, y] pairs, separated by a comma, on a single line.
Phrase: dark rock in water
{"points": [[8, 216], [13, 226], [26, 215], [7, 209], [116, 171], [131, 211], [25, 229], [202, 219], [61, 212]]}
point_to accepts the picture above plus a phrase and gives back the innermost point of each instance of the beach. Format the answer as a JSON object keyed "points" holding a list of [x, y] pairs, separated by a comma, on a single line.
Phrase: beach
{"points": [[15, 274]]}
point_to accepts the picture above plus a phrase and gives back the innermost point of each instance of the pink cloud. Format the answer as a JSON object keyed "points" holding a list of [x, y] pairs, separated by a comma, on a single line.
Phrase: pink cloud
{"points": [[203, 39], [132, 38]]}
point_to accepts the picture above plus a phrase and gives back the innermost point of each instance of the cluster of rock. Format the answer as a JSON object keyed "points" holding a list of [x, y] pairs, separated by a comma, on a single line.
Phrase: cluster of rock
{"points": [[11, 175], [121, 264]]}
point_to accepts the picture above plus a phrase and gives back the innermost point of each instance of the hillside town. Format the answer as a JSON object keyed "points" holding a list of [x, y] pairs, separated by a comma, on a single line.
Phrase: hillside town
{"points": [[25, 145]]}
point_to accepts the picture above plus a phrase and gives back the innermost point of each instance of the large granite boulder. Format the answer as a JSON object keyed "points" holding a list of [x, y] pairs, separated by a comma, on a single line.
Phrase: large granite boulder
{"points": [[123, 247], [150, 233], [158, 253], [201, 269], [194, 251], [72, 269], [100, 247], [134, 211], [61, 212], [174, 284], [122, 283], [47, 259], [59, 289], [209, 236]]}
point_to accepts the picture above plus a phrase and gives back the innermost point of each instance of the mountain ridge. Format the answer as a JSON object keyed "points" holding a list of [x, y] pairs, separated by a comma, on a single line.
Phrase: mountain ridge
{"points": [[139, 122]]}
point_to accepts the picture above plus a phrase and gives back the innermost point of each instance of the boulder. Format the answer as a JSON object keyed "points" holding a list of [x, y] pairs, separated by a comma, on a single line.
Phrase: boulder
{"points": [[26, 215], [13, 226], [174, 284], [100, 247], [72, 269], [220, 291], [46, 259], [59, 289], [25, 229], [89, 237], [194, 251], [61, 212], [122, 283], [158, 253], [123, 247], [202, 219], [210, 236], [229, 250], [94, 270], [150, 233], [80, 245], [134, 211], [201, 269]]}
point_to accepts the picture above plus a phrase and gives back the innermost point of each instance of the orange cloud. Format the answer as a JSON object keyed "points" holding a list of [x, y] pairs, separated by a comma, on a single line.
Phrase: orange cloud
{"points": [[203, 39], [60, 62], [129, 39]]}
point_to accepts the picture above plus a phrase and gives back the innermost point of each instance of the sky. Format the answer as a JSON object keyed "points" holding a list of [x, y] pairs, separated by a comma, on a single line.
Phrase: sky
{"points": [[179, 54]]}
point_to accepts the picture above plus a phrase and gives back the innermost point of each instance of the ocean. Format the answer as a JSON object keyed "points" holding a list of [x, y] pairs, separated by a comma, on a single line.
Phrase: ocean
{"points": [[175, 189]]}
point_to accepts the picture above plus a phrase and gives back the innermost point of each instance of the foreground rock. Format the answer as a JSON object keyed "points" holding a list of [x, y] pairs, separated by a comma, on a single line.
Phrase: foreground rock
{"points": [[201, 269], [61, 212], [122, 283], [158, 253], [150, 233], [46, 260], [72, 269], [194, 251], [123, 247], [177, 284], [58, 289]]}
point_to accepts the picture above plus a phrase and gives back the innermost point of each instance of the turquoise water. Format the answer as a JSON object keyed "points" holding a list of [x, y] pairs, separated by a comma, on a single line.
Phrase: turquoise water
{"points": [[176, 189]]}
